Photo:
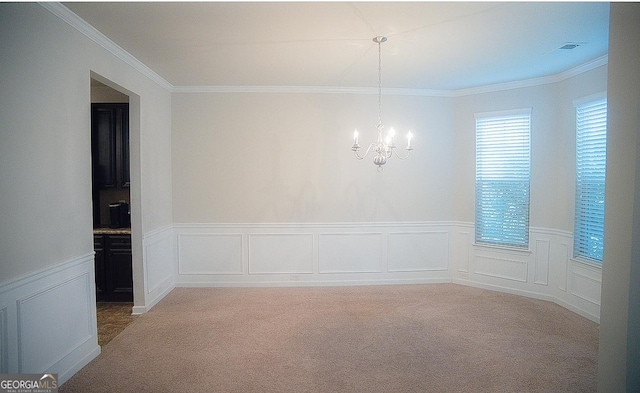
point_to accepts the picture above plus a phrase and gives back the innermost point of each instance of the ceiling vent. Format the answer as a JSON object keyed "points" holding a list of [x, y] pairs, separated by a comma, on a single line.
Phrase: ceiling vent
{"points": [[571, 45]]}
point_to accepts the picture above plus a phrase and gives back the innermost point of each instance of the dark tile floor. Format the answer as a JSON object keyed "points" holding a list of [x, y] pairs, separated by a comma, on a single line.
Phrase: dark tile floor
{"points": [[113, 318]]}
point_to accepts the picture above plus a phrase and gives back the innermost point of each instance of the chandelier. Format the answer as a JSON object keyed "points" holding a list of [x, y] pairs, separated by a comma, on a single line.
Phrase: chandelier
{"points": [[382, 148]]}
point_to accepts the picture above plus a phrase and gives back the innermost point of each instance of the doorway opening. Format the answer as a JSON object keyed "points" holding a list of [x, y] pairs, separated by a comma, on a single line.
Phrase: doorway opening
{"points": [[111, 199]]}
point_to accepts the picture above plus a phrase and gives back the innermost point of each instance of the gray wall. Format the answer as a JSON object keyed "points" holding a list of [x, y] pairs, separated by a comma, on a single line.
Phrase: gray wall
{"points": [[45, 143], [619, 357]]}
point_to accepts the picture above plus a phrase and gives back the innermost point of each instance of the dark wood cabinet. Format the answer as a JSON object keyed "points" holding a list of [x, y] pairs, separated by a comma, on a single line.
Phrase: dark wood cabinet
{"points": [[110, 145], [110, 163], [114, 277], [98, 247]]}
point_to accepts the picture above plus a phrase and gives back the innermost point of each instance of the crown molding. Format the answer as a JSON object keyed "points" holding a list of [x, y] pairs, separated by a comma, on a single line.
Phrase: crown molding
{"points": [[312, 90], [96, 36], [588, 66], [582, 68]]}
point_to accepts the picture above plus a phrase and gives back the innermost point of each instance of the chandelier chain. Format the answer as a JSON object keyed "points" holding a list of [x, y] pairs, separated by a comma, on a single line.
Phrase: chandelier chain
{"points": [[379, 85]]}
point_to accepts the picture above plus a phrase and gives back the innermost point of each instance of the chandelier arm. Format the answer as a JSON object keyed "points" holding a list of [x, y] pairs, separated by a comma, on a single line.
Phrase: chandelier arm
{"points": [[358, 156], [399, 156]]}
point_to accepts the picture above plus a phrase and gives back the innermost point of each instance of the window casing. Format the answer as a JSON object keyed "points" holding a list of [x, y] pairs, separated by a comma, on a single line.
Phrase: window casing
{"points": [[503, 161], [591, 151]]}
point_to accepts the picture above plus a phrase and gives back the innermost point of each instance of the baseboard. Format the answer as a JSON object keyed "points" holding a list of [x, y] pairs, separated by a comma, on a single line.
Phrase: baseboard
{"points": [[577, 310], [64, 377], [504, 289], [260, 284], [159, 295], [533, 295], [138, 310]]}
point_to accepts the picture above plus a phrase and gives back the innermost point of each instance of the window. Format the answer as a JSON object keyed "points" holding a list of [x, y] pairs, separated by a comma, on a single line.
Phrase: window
{"points": [[502, 178], [591, 149]]}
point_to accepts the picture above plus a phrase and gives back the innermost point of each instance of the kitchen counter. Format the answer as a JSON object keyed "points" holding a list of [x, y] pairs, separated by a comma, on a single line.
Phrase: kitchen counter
{"points": [[112, 231]]}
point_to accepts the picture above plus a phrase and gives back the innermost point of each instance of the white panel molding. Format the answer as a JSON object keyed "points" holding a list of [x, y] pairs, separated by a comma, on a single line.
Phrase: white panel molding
{"points": [[504, 268], [545, 271], [280, 253], [319, 246], [199, 253], [541, 266], [586, 282], [48, 320], [158, 260], [40, 349], [418, 251], [335, 253], [564, 280], [462, 242], [353, 252], [159, 265]]}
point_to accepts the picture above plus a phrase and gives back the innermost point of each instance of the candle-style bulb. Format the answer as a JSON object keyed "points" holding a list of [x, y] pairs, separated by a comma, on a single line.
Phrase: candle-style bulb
{"points": [[409, 137], [355, 137]]}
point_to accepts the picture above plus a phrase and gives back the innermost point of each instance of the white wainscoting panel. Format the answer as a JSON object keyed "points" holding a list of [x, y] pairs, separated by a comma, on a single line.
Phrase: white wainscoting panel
{"points": [[462, 244], [159, 260], [564, 267], [501, 267], [294, 254], [541, 275], [545, 271], [64, 307], [586, 282], [350, 253], [418, 251], [280, 253], [206, 253], [48, 320]]}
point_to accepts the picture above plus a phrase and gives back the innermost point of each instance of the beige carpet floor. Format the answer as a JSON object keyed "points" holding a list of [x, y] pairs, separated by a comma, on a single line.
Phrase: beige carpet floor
{"points": [[403, 338]]}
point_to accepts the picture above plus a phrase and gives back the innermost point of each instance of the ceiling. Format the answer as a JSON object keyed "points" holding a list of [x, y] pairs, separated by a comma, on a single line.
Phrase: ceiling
{"points": [[431, 45]]}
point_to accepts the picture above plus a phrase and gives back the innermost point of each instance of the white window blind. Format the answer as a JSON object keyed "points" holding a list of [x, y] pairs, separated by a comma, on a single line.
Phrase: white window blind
{"points": [[591, 149], [502, 178]]}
